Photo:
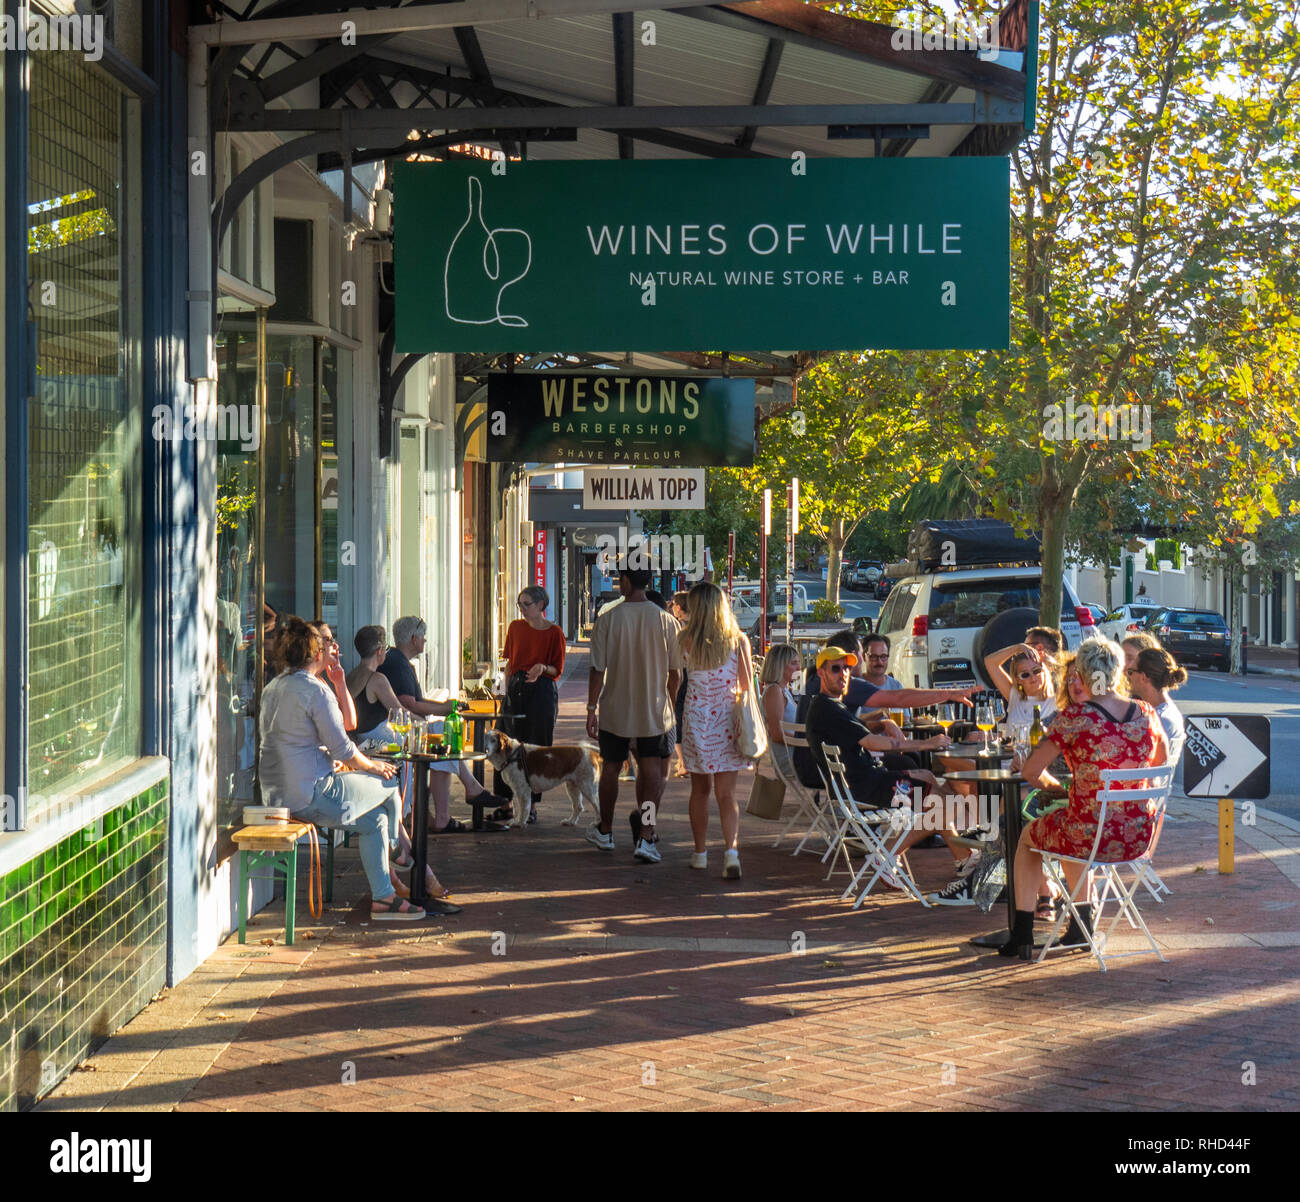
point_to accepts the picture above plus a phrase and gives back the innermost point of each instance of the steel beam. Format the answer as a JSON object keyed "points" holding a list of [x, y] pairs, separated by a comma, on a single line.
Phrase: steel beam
{"points": [[400, 121], [414, 18], [763, 89], [863, 41], [314, 65], [624, 73]]}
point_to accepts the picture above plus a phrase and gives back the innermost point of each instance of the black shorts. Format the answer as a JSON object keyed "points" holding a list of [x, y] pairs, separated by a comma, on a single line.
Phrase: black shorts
{"points": [[614, 748], [879, 789]]}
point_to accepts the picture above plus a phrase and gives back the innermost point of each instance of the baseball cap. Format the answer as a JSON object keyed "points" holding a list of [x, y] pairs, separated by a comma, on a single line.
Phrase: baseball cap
{"points": [[829, 654]]}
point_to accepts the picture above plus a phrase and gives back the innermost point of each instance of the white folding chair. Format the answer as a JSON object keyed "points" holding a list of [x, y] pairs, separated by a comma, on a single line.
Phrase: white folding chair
{"points": [[1150, 786], [812, 809], [880, 831]]}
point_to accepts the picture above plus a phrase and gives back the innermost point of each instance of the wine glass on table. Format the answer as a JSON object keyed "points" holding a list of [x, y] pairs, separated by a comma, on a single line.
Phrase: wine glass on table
{"points": [[947, 716], [985, 721]]}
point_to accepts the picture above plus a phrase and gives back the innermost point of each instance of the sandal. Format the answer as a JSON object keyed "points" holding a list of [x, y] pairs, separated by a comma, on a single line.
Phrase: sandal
{"points": [[402, 866], [454, 827], [1045, 910], [395, 909], [505, 813]]}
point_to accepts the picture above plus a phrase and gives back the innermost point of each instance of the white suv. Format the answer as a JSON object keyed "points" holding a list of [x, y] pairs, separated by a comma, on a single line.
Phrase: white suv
{"points": [[941, 624]]}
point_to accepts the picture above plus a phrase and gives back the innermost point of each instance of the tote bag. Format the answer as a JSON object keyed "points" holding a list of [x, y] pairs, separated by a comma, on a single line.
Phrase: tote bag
{"points": [[766, 797], [748, 725]]}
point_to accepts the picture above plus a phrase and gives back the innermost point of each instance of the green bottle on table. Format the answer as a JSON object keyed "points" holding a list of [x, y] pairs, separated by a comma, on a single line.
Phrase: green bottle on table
{"points": [[453, 732]]}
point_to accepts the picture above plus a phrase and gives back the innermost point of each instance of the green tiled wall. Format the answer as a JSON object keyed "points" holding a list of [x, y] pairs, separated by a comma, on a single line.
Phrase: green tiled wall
{"points": [[83, 944]]}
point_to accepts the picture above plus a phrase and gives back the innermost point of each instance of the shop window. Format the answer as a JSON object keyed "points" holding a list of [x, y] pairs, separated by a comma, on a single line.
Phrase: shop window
{"points": [[84, 528], [294, 277]]}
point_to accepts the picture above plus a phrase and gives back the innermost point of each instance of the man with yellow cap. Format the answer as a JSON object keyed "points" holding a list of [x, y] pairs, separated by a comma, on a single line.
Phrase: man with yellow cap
{"points": [[830, 721]]}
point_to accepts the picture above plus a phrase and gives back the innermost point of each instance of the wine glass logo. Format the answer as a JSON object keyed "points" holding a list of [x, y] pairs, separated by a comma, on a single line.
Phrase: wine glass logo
{"points": [[481, 264]]}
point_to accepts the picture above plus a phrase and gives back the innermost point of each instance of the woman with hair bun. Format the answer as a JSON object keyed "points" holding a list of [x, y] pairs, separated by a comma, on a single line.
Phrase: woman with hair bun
{"points": [[303, 748], [1097, 727], [1151, 678]]}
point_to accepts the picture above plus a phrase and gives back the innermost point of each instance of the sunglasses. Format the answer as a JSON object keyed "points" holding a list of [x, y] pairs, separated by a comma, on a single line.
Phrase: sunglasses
{"points": [[837, 668], [1030, 674]]}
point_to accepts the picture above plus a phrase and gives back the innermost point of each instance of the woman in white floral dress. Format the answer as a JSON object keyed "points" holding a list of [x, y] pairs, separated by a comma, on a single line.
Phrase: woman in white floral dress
{"points": [[717, 660]]}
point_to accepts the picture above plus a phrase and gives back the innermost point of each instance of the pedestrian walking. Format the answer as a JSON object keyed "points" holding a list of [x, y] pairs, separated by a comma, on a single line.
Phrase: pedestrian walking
{"points": [[635, 669], [717, 657]]}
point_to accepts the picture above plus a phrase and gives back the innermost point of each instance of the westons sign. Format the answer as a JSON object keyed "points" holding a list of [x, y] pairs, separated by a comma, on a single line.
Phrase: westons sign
{"points": [[839, 254], [665, 421]]}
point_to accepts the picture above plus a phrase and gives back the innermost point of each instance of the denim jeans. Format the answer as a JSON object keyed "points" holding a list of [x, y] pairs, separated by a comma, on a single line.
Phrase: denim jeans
{"points": [[367, 807]]}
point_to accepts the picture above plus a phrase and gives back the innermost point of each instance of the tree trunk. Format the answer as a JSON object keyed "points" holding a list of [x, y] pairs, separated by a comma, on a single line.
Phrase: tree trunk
{"points": [[1110, 582], [834, 557], [1234, 619], [1054, 510]]}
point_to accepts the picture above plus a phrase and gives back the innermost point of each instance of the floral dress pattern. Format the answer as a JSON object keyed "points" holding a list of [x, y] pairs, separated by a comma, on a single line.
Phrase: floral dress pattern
{"points": [[1092, 741], [708, 739]]}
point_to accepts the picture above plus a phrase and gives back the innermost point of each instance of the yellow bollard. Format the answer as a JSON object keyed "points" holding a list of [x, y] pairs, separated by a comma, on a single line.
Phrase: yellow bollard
{"points": [[1227, 854]]}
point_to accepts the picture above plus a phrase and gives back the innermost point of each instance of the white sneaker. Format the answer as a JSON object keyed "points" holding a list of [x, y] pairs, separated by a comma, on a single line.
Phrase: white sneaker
{"points": [[604, 842], [699, 859], [647, 852], [731, 865]]}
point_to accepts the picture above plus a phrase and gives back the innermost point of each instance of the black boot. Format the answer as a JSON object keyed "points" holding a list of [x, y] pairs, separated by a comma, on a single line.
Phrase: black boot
{"points": [[1021, 942], [1073, 934]]}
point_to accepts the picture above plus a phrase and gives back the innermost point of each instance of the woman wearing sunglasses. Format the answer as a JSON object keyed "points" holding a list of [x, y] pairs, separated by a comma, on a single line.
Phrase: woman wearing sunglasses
{"points": [[1025, 679]]}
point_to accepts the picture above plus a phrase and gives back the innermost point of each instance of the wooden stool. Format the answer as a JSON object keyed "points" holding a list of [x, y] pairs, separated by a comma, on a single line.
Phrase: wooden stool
{"points": [[275, 844]]}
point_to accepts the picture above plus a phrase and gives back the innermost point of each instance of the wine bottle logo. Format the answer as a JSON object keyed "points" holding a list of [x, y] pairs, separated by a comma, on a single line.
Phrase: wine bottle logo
{"points": [[481, 264]]}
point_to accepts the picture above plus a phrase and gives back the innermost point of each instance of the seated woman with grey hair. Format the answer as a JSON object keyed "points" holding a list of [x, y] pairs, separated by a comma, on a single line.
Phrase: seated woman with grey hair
{"points": [[409, 643], [1097, 726], [305, 748]]}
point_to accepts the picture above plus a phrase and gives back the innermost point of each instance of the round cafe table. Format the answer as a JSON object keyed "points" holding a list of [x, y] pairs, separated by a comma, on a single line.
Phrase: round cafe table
{"points": [[1008, 785], [420, 809]]}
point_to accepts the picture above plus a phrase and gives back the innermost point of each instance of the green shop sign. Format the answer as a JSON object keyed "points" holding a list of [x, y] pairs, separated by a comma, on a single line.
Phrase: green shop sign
{"points": [[831, 254], [668, 421]]}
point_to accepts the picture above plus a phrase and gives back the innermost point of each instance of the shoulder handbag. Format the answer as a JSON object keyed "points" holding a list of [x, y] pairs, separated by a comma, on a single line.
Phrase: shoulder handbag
{"points": [[766, 797], [748, 726]]}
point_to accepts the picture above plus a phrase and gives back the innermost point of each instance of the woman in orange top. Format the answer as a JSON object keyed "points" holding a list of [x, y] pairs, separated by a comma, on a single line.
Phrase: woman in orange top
{"points": [[534, 653]]}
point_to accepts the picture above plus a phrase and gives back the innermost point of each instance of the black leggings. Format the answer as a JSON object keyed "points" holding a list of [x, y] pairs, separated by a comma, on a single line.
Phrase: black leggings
{"points": [[537, 705]]}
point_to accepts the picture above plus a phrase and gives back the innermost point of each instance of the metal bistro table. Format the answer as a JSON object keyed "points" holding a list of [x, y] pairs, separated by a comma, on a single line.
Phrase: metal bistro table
{"points": [[477, 720], [1009, 787], [420, 762]]}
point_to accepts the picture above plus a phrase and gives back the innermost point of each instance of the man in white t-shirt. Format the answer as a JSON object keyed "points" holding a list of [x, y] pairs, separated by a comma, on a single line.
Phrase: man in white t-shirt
{"points": [[635, 670]]}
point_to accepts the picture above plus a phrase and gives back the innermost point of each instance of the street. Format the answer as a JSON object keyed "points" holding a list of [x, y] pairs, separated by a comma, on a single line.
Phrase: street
{"points": [[1204, 693]]}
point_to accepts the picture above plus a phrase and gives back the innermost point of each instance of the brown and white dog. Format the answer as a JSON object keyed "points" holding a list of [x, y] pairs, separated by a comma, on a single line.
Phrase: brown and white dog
{"points": [[527, 768]]}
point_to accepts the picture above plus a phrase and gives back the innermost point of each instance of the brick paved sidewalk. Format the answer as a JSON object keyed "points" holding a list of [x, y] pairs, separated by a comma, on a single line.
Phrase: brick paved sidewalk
{"points": [[577, 979]]}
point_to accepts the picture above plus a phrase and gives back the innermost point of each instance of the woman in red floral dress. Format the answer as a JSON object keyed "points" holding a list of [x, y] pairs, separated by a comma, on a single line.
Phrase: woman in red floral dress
{"points": [[1097, 728]]}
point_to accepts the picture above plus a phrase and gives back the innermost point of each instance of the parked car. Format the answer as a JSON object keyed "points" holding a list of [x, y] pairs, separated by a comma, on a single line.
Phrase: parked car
{"points": [[1127, 619], [1196, 637], [942, 623], [866, 573], [1098, 612], [883, 585]]}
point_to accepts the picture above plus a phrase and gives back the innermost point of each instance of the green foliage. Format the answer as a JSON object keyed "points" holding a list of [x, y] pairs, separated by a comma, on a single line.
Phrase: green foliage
{"points": [[823, 609], [1154, 215]]}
